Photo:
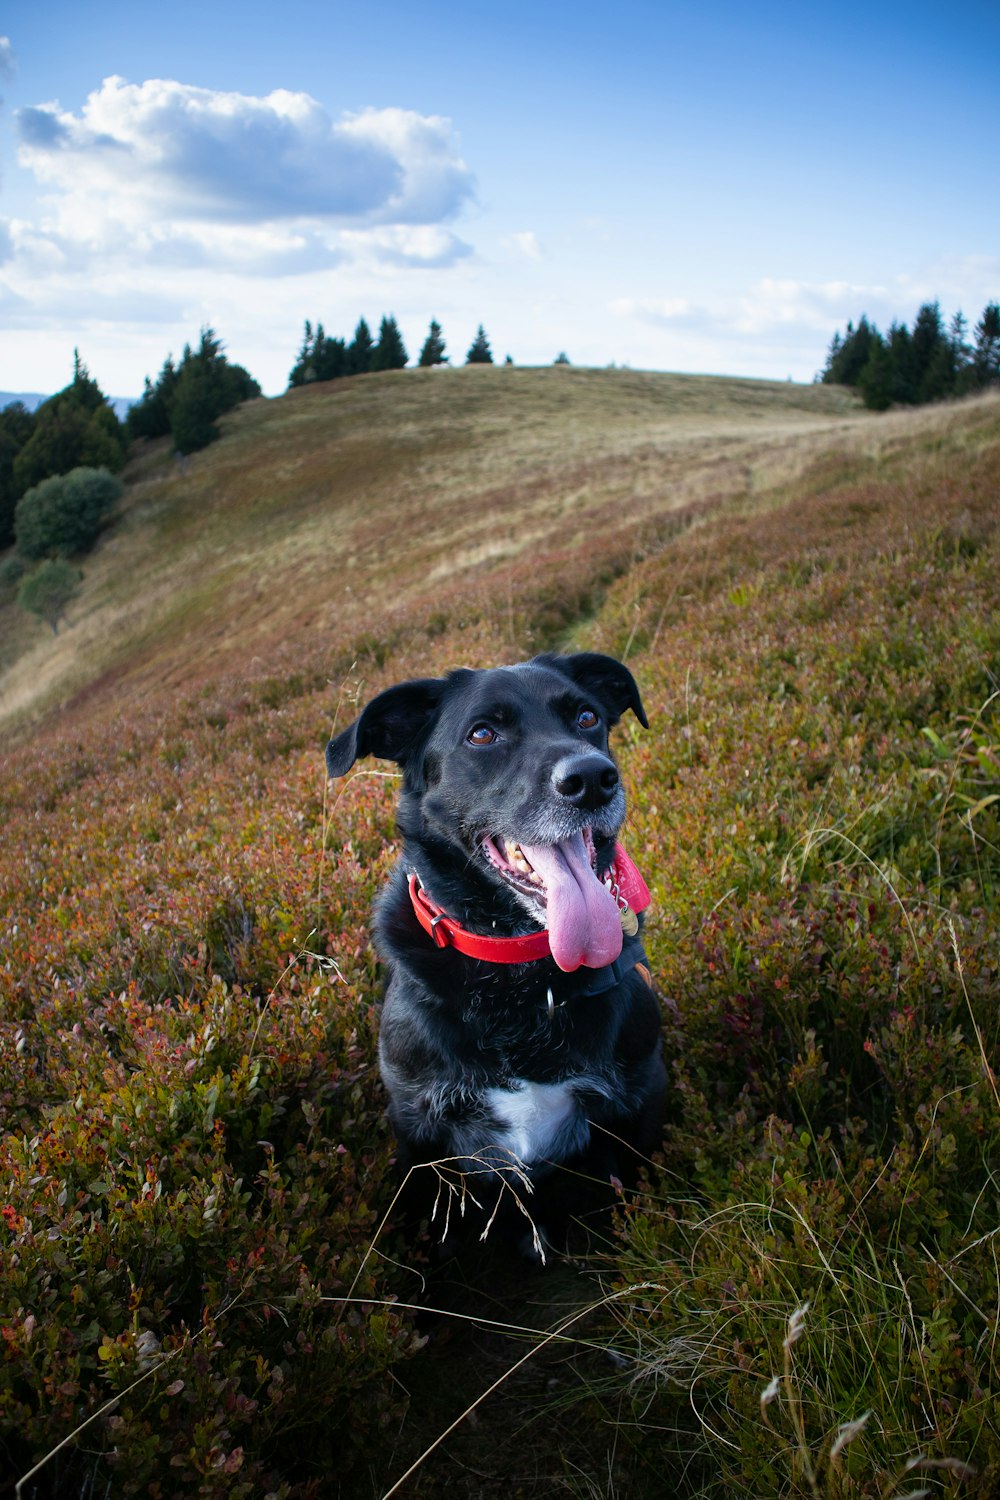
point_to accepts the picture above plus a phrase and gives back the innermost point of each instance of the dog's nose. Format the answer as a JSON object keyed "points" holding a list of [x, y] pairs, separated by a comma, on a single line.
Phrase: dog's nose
{"points": [[587, 781]]}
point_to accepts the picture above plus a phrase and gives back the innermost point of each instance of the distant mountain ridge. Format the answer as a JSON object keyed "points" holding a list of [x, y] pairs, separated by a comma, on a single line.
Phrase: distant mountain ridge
{"points": [[32, 399]]}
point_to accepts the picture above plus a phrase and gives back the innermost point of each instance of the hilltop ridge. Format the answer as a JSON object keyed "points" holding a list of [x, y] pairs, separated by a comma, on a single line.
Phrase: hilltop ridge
{"points": [[320, 512]]}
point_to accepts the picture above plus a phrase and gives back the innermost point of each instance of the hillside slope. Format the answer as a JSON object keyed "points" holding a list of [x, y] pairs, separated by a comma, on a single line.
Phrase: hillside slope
{"points": [[319, 514], [202, 1290]]}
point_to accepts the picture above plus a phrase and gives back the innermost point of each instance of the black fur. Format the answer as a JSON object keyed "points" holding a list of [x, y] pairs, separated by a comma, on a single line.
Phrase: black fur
{"points": [[465, 1043]]}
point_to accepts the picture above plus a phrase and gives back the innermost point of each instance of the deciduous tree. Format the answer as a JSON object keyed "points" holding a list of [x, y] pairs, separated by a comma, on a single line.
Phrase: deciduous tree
{"points": [[48, 590]]}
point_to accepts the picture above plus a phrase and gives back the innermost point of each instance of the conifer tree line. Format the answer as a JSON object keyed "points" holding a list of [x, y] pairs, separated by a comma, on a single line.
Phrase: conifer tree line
{"points": [[76, 428], [323, 358], [58, 484], [187, 399], [931, 363]]}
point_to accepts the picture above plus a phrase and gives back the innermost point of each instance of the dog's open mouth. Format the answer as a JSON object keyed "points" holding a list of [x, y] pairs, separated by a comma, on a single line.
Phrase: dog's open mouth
{"points": [[561, 883]]}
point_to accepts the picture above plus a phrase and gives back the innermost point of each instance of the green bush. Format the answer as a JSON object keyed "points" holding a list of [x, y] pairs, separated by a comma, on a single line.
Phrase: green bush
{"points": [[48, 590], [12, 570], [65, 513]]}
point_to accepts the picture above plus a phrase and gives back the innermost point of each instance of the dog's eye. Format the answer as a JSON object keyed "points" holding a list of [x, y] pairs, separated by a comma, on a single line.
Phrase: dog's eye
{"points": [[482, 734], [587, 719]]}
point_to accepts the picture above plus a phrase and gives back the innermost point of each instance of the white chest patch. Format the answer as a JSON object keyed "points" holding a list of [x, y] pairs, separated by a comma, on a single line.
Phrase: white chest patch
{"points": [[534, 1116]]}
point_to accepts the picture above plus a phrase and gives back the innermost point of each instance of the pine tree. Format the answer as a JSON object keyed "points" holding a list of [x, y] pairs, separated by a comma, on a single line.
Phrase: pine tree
{"points": [[849, 355], [329, 356], [986, 348], [479, 352], [304, 369], [149, 417], [390, 351], [433, 351], [900, 346], [875, 380], [16, 426], [75, 426], [827, 375], [961, 353], [187, 398], [319, 358], [359, 351], [928, 367], [192, 410]]}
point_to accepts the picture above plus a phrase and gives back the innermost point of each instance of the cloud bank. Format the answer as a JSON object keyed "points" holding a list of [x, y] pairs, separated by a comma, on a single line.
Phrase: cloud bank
{"points": [[187, 173]]}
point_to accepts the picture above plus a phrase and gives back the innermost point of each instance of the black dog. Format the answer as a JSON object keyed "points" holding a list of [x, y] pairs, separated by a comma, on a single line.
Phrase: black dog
{"points": [[520, 1033]]}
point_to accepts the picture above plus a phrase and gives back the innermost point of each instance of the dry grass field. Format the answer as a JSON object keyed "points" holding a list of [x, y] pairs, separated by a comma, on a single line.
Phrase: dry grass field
{"points": [[344, 502]]}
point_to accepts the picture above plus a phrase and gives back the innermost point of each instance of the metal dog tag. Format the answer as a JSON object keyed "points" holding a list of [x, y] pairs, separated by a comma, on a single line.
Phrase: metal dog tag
{"points": [[629, 921]]}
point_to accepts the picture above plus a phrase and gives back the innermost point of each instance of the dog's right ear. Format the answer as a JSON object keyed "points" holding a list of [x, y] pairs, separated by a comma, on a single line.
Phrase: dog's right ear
{"points": [[391, 727]]}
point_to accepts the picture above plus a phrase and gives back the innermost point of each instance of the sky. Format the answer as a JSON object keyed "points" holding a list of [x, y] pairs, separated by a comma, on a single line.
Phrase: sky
{"points": [[711, 188]]}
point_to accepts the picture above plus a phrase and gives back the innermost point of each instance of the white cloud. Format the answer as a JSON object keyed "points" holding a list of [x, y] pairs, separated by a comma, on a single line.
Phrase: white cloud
{"points": [[771, 303], [158, 162], [8, 62], [434, 181], [402, 245], [771, 323], [527, 242], [664, 312]]}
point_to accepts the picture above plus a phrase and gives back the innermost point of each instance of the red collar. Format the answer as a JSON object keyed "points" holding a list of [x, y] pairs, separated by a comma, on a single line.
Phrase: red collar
{"points": [[629, 890]]}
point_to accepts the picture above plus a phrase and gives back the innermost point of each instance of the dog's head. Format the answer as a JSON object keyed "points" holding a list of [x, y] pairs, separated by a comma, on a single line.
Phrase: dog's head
{"points": [[512, 767]]}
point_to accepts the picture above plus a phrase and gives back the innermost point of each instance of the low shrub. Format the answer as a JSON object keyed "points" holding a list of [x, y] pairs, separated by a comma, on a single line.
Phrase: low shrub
{"points": [[64, 514]]}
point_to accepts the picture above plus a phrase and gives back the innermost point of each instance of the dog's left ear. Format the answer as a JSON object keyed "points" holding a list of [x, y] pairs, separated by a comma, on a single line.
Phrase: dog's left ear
{"points": [[607, 679], [391, 727]]}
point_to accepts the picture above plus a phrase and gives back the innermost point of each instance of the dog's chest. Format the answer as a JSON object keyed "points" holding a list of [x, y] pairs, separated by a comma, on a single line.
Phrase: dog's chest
{"points": [[538, 1120]]}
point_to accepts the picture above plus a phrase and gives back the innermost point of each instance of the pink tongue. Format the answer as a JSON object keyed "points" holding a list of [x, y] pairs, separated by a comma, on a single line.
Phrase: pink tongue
{"points": [[584, 925]]}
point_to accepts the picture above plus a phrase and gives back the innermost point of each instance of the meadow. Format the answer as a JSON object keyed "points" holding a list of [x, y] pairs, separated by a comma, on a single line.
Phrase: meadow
{"points": [[203, 1290]]}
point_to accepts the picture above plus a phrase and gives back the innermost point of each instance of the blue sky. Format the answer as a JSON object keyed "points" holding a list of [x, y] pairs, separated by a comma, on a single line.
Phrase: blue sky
{"points": [[709, 188]]}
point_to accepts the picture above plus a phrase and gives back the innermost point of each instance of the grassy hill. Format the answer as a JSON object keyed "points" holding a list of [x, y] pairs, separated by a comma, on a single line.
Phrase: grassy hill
{"points": [[261, 546], [195, 1258]]}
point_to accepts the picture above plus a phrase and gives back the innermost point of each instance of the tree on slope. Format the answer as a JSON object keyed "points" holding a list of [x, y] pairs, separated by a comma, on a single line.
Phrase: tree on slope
{"points": [[359, 350], [849, 355], [986, 347], [187, 399], [149, 417], [479, 351], [433, 351], [390, 351], [16, 427], [320, 358], [76, 426], [48, 590]]}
